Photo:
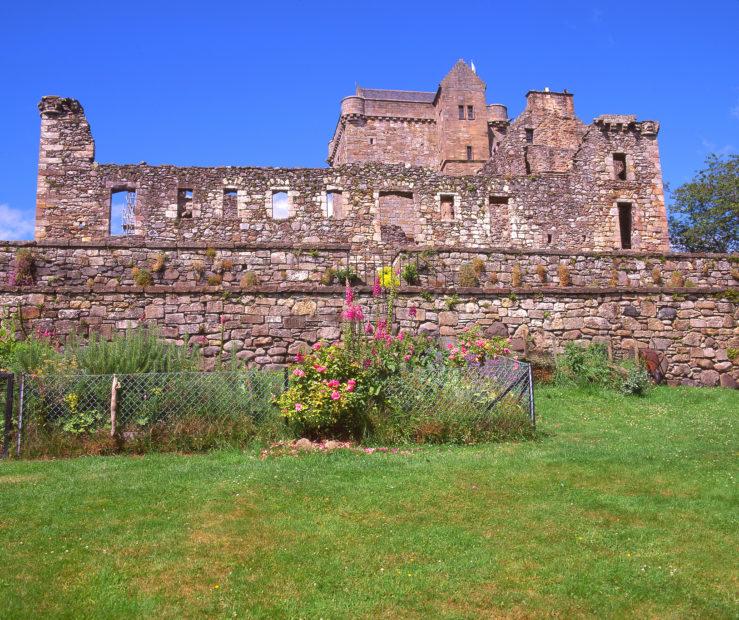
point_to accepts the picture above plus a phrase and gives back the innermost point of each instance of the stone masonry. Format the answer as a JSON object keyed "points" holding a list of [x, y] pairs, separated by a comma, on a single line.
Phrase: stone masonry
{"points": [[561, 223]]}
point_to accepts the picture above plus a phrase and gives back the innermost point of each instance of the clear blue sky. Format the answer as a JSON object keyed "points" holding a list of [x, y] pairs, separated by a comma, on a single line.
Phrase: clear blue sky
{"points": [[240, 83]]}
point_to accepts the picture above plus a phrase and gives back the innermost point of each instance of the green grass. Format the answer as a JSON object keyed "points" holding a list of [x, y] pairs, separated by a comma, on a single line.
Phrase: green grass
{"points": [[623, 507]]}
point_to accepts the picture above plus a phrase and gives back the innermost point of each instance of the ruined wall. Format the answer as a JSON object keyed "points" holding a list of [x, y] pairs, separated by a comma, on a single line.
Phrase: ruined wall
{"points": [[695, 330], [578, 210]]}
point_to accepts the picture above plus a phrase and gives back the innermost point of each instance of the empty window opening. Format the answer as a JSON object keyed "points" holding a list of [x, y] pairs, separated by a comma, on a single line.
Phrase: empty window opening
{"points": [[619, 166], [372, 140], [498, 200], [470, 113], [529, 136], [461, 112], [447, 208], [122, 205], [469, 153], [334, 204], [280, 207], [229, 202], [184, 203], [549, 239], [624, 224]]}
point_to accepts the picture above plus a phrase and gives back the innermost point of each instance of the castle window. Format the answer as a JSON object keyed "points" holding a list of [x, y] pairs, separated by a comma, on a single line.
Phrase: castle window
{"points": [[529, 136], [461, 112], [372, 140], [549, 239], [280, 206], [470, 113], [498, 200], [229, 203], [122, 204], [619, 166], [447, 208], [184, 203], [334, 203], [469, 153], [624, 224]]}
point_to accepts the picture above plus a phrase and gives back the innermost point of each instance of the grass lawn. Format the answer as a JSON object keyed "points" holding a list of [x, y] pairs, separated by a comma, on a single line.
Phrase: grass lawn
{"points": [[623, 507]]}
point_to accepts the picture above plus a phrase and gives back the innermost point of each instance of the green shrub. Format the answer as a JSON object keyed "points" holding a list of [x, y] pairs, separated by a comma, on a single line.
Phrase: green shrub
{"points": [[410, 274], [347, 273], [136, 351], [637, 381], [587, 365]]}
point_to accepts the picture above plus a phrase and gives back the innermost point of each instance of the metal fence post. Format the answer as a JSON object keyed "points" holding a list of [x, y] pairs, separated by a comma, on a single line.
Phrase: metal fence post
{"points": [[8, 428]]}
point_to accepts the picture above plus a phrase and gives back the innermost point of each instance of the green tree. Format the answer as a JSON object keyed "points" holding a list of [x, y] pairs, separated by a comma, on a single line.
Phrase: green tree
{"points": [[705, 211]]}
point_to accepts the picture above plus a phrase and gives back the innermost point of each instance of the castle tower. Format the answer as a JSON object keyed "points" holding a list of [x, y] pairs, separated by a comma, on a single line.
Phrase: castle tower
{"points": [[462, 122], [66, 154]]}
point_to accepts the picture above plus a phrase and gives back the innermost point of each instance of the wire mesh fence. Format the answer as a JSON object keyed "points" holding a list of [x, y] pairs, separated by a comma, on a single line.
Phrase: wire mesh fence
{"points": [[67, 415]]}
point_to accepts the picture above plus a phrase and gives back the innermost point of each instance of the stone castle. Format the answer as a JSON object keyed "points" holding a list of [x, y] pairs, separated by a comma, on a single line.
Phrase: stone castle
{"points": [[546, 229], [439, 167]]}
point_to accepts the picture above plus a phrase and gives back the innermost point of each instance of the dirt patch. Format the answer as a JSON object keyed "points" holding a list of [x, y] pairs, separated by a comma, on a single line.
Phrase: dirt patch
{"points": [[19, 478]]}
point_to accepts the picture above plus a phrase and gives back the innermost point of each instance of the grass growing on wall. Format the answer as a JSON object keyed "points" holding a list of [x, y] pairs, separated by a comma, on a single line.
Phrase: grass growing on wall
{"points": [[624, 507]]}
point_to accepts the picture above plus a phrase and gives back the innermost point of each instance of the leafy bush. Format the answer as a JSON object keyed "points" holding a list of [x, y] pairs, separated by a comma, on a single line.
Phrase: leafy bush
{"points": [[347, 273], [637, 381], [410, 274], [474, 349], [584, 365]]}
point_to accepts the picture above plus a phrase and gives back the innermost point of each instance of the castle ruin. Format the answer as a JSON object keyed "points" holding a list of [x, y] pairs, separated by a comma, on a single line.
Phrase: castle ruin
{"points": [[568, 220]]}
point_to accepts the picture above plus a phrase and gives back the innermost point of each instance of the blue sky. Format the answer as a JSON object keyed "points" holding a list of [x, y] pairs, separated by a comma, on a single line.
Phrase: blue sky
{"points": [[236, 83]]}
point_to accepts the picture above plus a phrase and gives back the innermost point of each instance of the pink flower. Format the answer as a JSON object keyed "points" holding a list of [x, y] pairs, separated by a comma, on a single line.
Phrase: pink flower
{"points": [[298, 406], [368, 329], [376, 288], [450, 346], [335, 395], [480, 342], [412, 312], [334, 383], [223, 320], [406, 358], [317, 346], [299, 358], [348, 294], [354, 313], [319, 368], [298, 373], [367, 363], [350, 385], [369, 450], [506, 351], [516, 365], [400, 336]]}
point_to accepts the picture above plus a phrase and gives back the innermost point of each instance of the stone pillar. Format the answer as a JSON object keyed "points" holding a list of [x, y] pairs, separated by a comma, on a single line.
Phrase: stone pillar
{"points": [[66, 152]]}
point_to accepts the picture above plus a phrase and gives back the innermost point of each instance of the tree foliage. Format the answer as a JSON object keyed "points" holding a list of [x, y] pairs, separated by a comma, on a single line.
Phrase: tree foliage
{"points": [[705, 211]]}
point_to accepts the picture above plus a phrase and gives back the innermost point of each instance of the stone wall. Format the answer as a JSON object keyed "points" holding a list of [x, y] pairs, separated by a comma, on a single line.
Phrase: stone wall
{"points": [[695, 329], [502, 206], [111, 264]]}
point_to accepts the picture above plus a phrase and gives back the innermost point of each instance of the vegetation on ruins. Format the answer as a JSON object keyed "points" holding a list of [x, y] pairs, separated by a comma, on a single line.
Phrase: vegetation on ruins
{"points": [[705, 211], [24, 268], [141, 276]]}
